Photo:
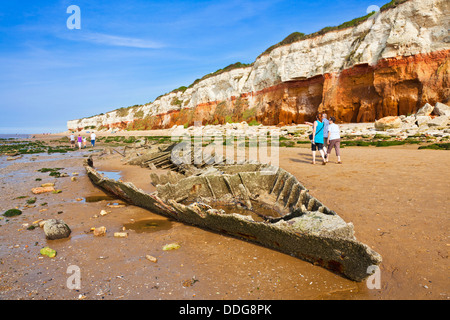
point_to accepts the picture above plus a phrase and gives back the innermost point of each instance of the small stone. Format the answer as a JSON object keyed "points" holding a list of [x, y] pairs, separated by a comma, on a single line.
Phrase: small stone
{"points": [[39, 190], [44, 185], [120, 234], [151, 258], [101, 231]]}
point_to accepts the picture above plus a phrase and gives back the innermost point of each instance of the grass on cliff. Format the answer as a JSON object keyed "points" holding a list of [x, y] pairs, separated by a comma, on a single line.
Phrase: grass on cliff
{"points": [[298, 36]]}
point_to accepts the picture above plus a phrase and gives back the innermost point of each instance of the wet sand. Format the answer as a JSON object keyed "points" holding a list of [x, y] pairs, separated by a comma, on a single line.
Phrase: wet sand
{"points": [[396, 197]]}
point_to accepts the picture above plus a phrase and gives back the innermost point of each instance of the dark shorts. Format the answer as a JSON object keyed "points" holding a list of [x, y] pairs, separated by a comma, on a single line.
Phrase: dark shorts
{"points": [[317, 146]]}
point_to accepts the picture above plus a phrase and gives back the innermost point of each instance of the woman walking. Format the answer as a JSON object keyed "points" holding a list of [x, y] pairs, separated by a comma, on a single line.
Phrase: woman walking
{"points": [[317, 139], [334, 140], [80, 141]]}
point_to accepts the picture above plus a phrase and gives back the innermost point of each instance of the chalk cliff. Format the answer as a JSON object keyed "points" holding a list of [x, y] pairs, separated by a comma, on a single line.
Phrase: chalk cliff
{"points": [[391, 64]]}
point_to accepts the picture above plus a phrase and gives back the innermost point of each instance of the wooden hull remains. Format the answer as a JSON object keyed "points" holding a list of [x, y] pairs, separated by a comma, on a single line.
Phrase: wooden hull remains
{"points": [[258, 203]]}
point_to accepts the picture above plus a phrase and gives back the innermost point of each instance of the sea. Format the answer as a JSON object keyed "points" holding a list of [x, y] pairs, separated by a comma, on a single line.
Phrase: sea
{"points": [[6, 136]]}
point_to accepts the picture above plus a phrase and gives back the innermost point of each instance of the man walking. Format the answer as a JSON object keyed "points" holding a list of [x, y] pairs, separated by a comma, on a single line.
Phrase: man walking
{"points": [[93, 139], [72, 140]]}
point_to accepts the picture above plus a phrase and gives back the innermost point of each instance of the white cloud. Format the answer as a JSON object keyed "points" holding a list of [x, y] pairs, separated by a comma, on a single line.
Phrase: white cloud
{"points": [[111, 40]]}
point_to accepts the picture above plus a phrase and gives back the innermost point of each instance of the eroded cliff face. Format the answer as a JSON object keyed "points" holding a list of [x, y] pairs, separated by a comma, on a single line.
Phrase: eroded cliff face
{"points": [[391, 64]]}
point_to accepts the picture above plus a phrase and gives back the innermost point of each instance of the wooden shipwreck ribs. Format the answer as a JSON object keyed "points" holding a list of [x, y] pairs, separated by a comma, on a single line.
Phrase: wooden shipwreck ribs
{"points": [[252, 201]]}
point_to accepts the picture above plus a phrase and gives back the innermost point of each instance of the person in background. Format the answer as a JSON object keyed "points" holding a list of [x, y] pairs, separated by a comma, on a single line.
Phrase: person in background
{"points": [[326, 123], [334, 140], [317, 139], [84, 142], [80, 141], [93, 139], [72, 140]]}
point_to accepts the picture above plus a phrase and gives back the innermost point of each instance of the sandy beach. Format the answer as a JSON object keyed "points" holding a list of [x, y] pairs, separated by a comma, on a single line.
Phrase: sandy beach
{"points": [[396, 197]]}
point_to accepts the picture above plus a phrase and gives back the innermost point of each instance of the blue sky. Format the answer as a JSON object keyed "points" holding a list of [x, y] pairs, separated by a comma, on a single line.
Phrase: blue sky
{"points": [[130, 52]]}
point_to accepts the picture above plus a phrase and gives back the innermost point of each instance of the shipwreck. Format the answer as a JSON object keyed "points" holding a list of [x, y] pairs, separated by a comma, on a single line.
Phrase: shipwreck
{"points": [[251, 201]]}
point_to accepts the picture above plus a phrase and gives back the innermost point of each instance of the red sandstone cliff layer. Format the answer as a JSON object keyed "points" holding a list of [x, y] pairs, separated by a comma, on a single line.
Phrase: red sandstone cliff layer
{"points": [[362, 93]]}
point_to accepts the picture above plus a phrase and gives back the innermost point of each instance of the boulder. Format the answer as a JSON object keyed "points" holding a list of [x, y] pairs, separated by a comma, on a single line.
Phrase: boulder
{"points": [[390, 122], [56, 229], [440, 121], [441, 109], [422, 120], [426, 110]]}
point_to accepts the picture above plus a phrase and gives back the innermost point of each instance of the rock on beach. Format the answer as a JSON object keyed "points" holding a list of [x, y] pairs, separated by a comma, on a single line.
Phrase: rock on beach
{"points": [[56, 229]]}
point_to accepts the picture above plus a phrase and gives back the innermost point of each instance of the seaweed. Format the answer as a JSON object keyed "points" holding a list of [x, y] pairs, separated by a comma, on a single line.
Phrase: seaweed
{"points": [[437, 146], [12, 213]]}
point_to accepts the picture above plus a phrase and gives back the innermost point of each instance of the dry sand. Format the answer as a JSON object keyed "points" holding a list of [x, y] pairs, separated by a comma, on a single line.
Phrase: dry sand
{"points": [[396, 197]]}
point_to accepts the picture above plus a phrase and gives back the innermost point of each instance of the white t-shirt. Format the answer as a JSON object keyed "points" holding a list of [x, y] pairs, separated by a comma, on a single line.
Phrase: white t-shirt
{"points": [[333, 132], [92, 136]]}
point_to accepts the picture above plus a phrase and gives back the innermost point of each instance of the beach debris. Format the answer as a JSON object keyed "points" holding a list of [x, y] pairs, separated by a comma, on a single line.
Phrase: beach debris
{"points": [[98, 232], [13, 158], [40, 190], [73, 178], [115, 205], [189, 282], [171, 246], [49, 252], [48, 184], [104, 212], [120, 235], [34, 224], [56, 229], [12, 213], [151, 258]]}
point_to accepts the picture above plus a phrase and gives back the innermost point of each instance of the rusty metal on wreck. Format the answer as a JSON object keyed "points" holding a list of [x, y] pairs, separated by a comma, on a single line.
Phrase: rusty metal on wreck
{"points": [[252, 201]]}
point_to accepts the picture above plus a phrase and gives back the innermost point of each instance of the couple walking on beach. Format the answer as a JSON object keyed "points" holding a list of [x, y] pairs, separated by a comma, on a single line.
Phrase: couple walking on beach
{"points": [[324, 138]]}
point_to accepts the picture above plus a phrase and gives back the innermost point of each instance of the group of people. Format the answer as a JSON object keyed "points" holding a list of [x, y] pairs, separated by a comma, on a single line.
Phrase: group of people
{"points": [[81, 140], [325, 137]]}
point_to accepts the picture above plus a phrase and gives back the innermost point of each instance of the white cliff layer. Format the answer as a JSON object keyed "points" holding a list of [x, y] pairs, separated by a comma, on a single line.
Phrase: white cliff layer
{"points": [[414, 27]]}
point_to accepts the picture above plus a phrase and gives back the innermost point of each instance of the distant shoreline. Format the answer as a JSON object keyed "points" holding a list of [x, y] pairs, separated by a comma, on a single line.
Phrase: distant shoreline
{"points": [[5, 136]]}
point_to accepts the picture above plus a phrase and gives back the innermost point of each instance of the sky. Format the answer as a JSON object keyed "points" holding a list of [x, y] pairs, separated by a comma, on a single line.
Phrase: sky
{"points": [[124, 53]]}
